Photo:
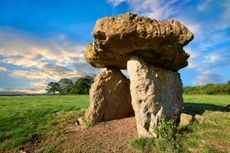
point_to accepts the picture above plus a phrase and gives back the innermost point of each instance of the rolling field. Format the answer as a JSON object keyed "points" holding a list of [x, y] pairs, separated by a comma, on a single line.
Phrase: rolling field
{"points": [[36, 122]]}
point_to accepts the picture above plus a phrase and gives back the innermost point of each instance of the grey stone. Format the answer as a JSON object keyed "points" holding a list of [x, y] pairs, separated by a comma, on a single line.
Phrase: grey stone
{"points": [[109, 96], [156, 93]]}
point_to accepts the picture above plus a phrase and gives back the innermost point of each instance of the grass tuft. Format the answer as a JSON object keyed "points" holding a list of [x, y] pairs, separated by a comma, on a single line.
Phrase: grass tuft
{"points": [[168, 139], [142, 143]]}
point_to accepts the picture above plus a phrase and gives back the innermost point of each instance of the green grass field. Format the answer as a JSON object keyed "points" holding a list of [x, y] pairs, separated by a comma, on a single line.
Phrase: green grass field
{"points": [[25, 118], [212, 135], [22, 118]]}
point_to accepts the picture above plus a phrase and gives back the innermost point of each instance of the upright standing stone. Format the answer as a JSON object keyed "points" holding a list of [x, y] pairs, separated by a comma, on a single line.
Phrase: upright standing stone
{"points": [[109, 96], [155, 92]]}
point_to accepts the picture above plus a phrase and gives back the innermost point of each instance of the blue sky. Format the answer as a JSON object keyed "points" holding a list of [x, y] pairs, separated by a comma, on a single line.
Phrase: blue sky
{"points": [[43, 41]]}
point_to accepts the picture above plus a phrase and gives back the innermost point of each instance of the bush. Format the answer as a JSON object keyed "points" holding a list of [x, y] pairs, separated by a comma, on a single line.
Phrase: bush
{"points": [[168, 139]]}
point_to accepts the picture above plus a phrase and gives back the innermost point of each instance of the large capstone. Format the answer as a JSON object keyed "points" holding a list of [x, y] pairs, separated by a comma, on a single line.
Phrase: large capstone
{"points": [[156, 94], [117, 38], [109, 96]]}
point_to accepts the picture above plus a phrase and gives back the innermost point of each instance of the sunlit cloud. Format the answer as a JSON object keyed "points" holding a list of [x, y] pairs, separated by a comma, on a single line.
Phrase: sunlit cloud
{"points": [[3, 69], [23, 48], [25, 62], [21, 90], [49, 71], [49, 59]]}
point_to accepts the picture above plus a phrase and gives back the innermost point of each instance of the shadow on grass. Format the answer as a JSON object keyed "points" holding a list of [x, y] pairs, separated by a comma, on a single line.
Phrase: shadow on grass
{"points": [[200, 108]]}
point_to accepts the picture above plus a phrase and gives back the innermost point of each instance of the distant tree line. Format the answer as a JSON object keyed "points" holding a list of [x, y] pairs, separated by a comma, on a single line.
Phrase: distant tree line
{"points": [[67, 86], [208, 89], [82, 85]]}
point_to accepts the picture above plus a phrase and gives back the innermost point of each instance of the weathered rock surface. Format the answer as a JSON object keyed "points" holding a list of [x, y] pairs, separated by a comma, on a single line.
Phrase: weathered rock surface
{"points": [[156, 93], [157, 42], [79, 121], [185, 119], [199, 118], [109, 96]]}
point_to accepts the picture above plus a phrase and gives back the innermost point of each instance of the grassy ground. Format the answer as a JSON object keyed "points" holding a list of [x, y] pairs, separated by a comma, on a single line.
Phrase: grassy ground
{"points": [[212, 135], [25, 120], [207, 133]]}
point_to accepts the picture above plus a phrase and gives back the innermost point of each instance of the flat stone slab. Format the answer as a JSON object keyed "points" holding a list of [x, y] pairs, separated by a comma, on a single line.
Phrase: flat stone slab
{"points": [[159, 43]]}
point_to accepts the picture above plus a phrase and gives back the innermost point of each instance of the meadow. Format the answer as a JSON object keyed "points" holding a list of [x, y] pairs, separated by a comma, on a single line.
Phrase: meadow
{"points": [[29, 120]]}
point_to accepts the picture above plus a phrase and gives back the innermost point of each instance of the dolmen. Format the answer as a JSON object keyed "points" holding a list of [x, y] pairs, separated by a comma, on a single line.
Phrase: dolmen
{"points": [[152, 52]]}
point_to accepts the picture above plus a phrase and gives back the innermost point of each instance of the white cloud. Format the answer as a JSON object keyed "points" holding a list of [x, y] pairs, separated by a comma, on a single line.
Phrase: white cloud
{"points": [[39, 84], [23, 61], [208, 77], [49, 71], [23, 48], [193, 26], [204, 4], [115, 2], [158, 9], [192, 59], [225, 16], [211, 58], [50, 58], [3, 69]]}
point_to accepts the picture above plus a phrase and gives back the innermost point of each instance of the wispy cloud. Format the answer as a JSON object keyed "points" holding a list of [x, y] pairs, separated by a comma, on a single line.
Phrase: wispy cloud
{"points": [[211, 58], [50, 58], [49, 71], [23, 61], [158, 9], [204, 4], [211, 68], [23, 48], [208, 77], [21, 90], [192, 59], [115, 2], [3, 69]]}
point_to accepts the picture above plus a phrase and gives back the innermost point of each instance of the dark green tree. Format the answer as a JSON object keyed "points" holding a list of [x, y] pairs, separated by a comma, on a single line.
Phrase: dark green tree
{"points": [[66, 86], [228, 86], [53, 87], [82, 85]]}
